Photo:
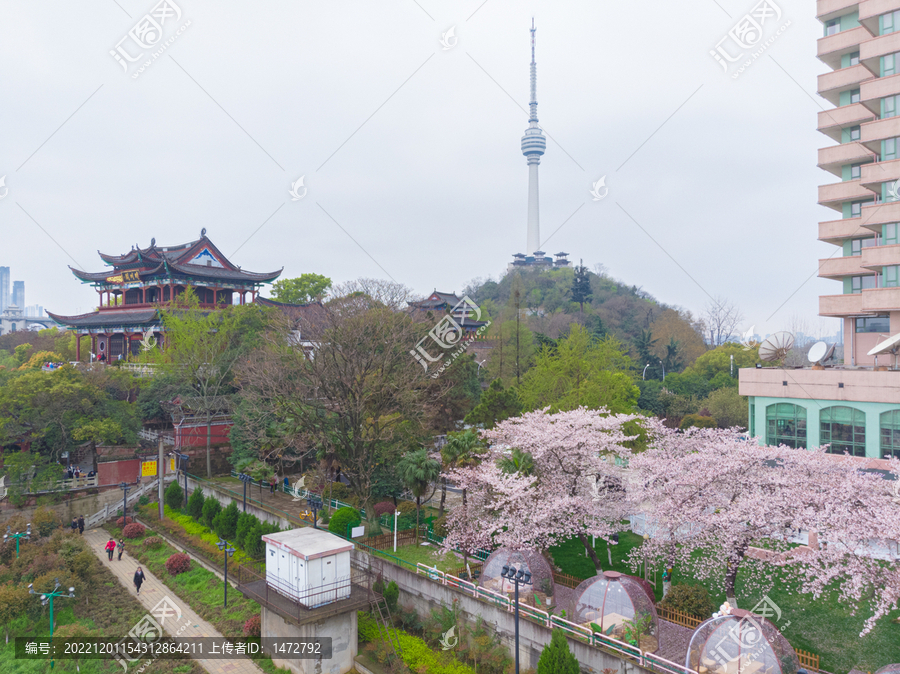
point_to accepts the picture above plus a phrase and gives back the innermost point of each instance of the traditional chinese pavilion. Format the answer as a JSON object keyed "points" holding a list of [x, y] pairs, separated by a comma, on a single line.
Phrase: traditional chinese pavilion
{"points": [[143, 280]]}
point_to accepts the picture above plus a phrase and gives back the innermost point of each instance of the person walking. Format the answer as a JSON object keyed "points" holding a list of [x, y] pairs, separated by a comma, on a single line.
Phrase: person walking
{"points": [[110, 547], [74, 525], [272, 486], [121, 547], [138, 579], [81, 525]]}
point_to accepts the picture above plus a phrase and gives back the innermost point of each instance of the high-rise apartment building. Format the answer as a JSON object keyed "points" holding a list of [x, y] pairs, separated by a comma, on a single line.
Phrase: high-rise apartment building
{"points": [[4, 288], [861, 43], [18, 294], [854, 407]]}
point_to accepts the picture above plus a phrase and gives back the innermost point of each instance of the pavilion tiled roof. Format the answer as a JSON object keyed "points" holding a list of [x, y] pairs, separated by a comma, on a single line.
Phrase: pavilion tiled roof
{"points": [[98, 319]]}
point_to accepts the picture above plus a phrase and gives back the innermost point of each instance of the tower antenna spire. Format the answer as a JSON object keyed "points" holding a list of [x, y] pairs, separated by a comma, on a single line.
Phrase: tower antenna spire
{"points": [[533, 146], [533, 103]]}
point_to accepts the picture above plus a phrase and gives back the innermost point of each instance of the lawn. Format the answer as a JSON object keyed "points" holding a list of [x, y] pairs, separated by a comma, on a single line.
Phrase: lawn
{"points": [[822, 626], [430, 555]]}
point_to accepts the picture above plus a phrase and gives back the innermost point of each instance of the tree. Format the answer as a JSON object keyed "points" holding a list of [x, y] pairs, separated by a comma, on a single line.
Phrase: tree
{"points": [[721, 319], [680, 325], [581, 285], [672, 361], [225, 523], [574, 489], [260, 471], [556, 658], [360, 397], [711, 494], [497, 404], [13, 603], [174, 495], [517, 463], [202, 349], [581, 372], [302, 290], [418, 471], [644, 344], [195, 504], [728, 407], [461, 450]]}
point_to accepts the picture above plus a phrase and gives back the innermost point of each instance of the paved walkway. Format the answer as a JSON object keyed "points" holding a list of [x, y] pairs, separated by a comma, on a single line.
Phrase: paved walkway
{"points": [[154, 591]]}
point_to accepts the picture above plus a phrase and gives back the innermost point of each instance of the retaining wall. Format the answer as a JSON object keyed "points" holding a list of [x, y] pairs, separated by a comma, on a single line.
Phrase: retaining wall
{"points": [[224, 497]]}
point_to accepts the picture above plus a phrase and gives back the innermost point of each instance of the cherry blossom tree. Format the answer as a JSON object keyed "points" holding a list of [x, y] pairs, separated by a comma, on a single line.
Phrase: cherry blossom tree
{"points": [[574, 487], [710, 495]]}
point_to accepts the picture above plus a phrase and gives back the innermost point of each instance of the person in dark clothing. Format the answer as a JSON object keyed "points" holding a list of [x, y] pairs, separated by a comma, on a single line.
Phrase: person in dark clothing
{"points": [[121, 547], [110, 547], [138, 579], [81, 525], [74, 525], [272, 486]]}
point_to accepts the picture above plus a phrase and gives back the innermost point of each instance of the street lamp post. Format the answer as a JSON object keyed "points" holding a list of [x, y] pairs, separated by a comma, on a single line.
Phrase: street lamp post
{"points": [[229, 552], [517, 577], [47, 598], [315, 502], [245, 479], [644, 373], [663, 369], [26, 535], [182, 462], [124, 486]]}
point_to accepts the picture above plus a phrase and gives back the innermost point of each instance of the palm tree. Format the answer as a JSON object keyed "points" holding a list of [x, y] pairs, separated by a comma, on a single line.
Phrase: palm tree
{"points": [[461, 451], [517, 462], [417, 470]]}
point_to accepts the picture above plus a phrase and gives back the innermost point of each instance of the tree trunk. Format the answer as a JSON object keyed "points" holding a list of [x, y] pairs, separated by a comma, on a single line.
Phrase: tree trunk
{"points": [[443, 496], [418, 498], [208, 439], [731, 576], [590, 550], [464, 497]]}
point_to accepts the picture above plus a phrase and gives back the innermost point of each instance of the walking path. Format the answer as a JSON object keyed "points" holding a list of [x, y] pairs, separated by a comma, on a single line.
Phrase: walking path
{"points": [[152, 592]]}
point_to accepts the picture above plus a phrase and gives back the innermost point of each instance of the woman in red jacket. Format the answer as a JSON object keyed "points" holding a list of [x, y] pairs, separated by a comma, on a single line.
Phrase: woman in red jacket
{"points": [[110, 547]]}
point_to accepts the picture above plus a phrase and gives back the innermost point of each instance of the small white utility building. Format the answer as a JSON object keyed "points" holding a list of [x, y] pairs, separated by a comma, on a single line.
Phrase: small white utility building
{"points": [[309, 566]]}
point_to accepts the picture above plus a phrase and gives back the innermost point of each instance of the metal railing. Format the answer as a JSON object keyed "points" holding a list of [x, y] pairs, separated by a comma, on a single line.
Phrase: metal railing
{"points": [[109, 510]]}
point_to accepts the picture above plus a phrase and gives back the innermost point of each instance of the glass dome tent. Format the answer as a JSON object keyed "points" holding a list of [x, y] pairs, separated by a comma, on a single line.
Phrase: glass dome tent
{"points": [[610, 599], [539, 593], [889, 669], [740, 643]]}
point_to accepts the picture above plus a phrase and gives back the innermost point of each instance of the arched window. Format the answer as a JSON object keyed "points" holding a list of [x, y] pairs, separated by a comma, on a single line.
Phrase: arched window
{"points": [[845, 429], [890, 433], [786, 425]]}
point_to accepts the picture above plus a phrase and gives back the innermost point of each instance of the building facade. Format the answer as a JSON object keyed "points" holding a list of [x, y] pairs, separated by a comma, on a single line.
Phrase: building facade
{"points": [[4, 288], [18, 294], [146, 279], [853, 407]]}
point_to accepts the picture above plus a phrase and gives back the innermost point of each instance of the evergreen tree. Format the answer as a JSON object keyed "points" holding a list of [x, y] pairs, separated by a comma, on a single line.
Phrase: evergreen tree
{"points": [[556, 658], [174, 496], [644, 344], [581, 285], [497, 404], [195, 504], [673, 360]]}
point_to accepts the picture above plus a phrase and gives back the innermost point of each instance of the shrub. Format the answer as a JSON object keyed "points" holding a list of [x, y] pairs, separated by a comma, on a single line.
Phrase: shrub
{"points": [[253, 626], [253, 543], [391, 596], [407, 507], [153, 542], [556, 658], [440, 526], [178, 563], [174, 495], [342, 518], [245, 522], [225, 523], [688, 598], [385, 508], [121, 521], [195, 504], [143, 500], [133, 530], [211, 508], [45, 521], [697, 421]]}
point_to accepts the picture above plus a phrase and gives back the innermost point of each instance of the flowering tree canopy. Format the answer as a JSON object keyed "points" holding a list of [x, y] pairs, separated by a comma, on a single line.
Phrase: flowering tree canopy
{"points": [[709, 495], [574, 485]]}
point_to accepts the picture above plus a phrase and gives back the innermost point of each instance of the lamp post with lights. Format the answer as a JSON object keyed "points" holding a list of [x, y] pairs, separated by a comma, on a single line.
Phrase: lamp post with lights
{"points": [[229, 552], [47, 598], [243, 477], [315, 502], [26, 535], [519, 576]]}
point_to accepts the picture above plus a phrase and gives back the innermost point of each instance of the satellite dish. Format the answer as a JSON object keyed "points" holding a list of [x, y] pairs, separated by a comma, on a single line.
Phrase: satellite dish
{"points": [[828, 354], [817, 352], [776, 347], [890, 345]]}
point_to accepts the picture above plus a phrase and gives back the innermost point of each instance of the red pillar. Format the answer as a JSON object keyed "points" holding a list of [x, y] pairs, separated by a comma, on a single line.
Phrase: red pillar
{"points": [[77, 346]]}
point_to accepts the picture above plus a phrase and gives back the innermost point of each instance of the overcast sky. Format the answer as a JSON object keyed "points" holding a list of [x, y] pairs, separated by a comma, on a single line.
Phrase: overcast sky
{"points": [[410, 152]]}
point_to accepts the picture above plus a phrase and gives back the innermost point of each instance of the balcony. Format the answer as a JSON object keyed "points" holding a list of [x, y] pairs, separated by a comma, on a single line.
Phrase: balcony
{"points": [[840, 305], [862, 385], [839, 267], [872, 91], [870, 10], [876, 257], [831, 9], [881, 299], [835, 194], [871, 51], [872, 175], [833, 159], [832, 122], [830, 85], [872, 133], [830, 48], [835, 231], [875, 215]]}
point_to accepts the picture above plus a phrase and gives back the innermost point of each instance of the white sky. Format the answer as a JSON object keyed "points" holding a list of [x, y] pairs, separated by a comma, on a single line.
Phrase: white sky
{"points": [[423, 170]]}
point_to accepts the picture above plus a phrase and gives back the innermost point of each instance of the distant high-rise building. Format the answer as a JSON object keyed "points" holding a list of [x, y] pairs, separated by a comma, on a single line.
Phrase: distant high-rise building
{"points": [[18, 294], [34, 311], [4, 288]]}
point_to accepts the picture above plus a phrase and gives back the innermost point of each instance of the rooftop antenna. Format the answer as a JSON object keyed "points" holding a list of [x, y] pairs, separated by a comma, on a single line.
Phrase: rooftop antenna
{"points": [[776, 347]]}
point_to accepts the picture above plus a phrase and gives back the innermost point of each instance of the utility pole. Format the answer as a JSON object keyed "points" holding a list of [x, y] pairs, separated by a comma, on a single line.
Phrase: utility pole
{"points": [[160, 471]]}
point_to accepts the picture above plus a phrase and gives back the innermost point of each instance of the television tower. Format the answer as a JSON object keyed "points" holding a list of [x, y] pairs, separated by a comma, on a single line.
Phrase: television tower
{"points": [[533, 146]]}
